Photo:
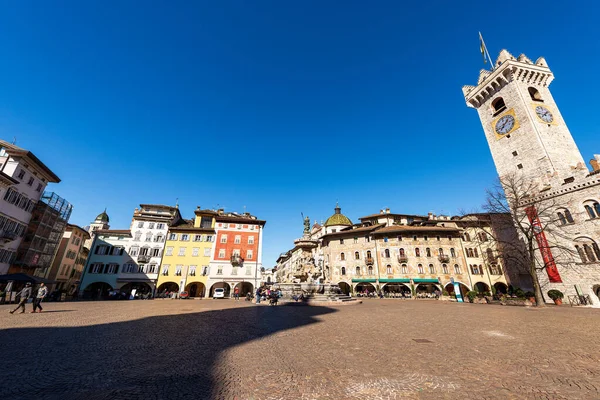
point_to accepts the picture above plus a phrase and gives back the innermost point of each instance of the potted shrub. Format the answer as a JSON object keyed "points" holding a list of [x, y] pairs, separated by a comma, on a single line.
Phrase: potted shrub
{"points": [[518, 292], [556, 295], [530, 296], [471, 295]]}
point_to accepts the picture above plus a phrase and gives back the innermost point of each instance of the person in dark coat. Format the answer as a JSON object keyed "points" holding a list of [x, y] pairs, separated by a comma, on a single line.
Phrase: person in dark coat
{"points": [[25, 295]]}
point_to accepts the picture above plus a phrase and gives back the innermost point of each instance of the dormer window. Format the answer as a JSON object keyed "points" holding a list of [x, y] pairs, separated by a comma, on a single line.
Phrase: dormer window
{"points": [[535, 94], [498, 105]]}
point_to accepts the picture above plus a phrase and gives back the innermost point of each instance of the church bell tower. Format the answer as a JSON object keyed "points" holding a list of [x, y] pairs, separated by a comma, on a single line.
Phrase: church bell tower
{"points": [[525, 130]]}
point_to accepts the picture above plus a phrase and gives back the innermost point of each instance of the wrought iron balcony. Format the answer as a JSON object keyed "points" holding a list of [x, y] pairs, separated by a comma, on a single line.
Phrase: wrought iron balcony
{"points": [[143, 258], [402, 259], [444, 258], [369, 260], [7, 236], [236, 260]]}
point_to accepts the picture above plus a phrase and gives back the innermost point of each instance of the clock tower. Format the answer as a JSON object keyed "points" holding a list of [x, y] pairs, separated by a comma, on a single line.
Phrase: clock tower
{"points": [[524, 128]]}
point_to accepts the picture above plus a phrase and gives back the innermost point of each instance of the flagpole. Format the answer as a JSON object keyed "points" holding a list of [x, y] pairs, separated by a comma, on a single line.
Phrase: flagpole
{"points": [[486, 51]]}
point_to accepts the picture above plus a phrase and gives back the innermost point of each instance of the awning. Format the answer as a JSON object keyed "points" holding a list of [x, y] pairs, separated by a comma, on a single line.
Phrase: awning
{"points": [[21, 277], [419, 280], [399, 280], [364, 280]]}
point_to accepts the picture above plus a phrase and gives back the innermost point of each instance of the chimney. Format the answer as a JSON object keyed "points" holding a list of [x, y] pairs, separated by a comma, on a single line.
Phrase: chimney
{"points": [[595, 162], [220, 211], [380, 211], [387, 210]]}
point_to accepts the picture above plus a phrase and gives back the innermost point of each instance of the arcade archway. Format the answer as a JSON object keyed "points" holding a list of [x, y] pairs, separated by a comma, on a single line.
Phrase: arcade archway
{"points": [[223, 285], [244, 288], [344, 288], [196, 289], [97, 290]]}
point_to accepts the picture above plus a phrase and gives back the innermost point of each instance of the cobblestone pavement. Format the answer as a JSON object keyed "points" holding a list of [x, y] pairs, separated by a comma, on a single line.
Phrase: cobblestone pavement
{"points": [[207, 349]]}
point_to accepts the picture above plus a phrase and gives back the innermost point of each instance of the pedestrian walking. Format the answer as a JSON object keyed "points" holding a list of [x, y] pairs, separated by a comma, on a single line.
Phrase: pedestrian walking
{"points": [[236, 294], [258, 294], [41, 295], [25, 295]]}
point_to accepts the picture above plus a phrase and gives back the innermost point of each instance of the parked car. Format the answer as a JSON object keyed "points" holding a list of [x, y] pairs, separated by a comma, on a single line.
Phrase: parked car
{"points": [[219, 293]]}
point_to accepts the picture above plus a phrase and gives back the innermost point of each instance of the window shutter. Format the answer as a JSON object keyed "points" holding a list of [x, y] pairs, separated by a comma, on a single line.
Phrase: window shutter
{"points": [[97, 249], [117, 267], [91, 268], [122, 250]]}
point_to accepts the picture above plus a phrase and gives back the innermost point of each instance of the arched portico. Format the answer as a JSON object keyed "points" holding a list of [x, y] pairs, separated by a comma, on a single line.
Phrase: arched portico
{"points": [[344, 287], [481, 287], [426, 288], [244, 288], [141, 288], [364, 287], [97, 290], [501, 288], [196, 289], [463, 289], [168, 287], [396, 288], [223, 285]]}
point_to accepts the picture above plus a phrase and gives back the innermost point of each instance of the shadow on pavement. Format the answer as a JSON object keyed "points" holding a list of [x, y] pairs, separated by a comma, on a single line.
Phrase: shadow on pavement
{"points": [[160, 357]]}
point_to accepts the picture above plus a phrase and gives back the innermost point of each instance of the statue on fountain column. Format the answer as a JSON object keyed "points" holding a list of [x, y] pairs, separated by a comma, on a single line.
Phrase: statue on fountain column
{"points": [[306, 226]]}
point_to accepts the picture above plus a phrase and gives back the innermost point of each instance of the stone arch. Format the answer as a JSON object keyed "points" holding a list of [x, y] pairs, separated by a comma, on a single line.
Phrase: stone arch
{"points": [[364, 286], [501, 287], [97, 290], [223, 285], [463, 288], [141, 288], [396, 288], [481, 287], [344, 287], [168, 286], [245, 288], [427, 287], [196, 289]]}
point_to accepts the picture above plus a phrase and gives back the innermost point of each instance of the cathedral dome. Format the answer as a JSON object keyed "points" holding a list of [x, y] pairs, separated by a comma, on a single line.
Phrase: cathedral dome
{"points": [[338, 218], [103, 217]]}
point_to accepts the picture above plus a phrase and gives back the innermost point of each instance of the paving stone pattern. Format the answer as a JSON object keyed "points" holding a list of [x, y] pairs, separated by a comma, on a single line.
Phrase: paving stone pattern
{"points": [[220, 349]]}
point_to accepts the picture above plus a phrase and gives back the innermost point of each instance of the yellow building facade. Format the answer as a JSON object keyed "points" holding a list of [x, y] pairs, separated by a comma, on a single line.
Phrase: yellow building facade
{"points": [[187, 254]]}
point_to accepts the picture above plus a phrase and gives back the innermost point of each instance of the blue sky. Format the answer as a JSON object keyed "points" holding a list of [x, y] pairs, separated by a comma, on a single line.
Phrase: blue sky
{"points": [[281, 107]]}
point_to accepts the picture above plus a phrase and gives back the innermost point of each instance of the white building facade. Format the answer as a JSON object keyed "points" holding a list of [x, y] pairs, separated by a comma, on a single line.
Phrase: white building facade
{"points": [[23, 178]]}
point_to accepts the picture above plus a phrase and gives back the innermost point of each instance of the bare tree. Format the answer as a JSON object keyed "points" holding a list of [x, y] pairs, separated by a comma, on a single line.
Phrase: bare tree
{"points": [[535, 219]]}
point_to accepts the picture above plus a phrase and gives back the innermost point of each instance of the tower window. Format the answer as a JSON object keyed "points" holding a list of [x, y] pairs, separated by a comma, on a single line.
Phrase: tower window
{"points": [[514, 153], [535, 94], [498, 105], [520, 166]]}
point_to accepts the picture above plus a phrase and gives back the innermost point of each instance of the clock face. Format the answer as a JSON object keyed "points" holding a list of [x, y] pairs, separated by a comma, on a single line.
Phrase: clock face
{"points": [[544, 114], [505, 124]]}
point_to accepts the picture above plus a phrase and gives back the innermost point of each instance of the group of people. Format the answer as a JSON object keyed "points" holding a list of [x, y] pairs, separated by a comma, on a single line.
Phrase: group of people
{"points": [[265, 293], [26, 293]]}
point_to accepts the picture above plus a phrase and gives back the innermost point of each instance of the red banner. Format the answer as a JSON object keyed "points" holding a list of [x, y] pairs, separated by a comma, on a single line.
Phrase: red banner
{"points": [[540, 237]]}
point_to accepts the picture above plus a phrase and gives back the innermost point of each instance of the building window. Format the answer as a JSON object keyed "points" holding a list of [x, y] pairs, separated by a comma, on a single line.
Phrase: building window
{"points": [[195, 251], [342, 257], [370, 269], [355, 240], [343, 270], [138, 236], [95, 268], [209, 238], [249, 254], [156, 252], [593, 209], [151, 225], [404, 269], [385, 239], [456, 269], [185, 237], [148, 237], [101, 250], [534, 94], [389, 270], [401, 251], [386, 253], [498, 105], [495, 269], [173, 236], [30, 182], [39, 187], [475, 253], [420, 268], [469, 252], [399, 238], [204, 270], [562, 219], [160, 226], [169, 251], [219, 270], [222, 253], [474, 269], [178, 270], [425, 238], [441, 251], [113, 268], [431, 269], [134, 251], [165, 270], [428, 252], [152, 268], [367, 239], [356, 255], [357, 270], [467, 237], [223, 238], [444, 268], [237, 239], [140, 224], [417, 252], [369, 254], [21, 174], [181, 251], [207, 252], [341, 241], [483, 236], [250, 239]]}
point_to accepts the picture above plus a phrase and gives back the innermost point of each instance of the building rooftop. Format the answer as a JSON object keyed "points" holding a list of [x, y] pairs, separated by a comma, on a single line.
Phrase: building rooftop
{"points": [[338, 218], [114, 232], [16, 151]]}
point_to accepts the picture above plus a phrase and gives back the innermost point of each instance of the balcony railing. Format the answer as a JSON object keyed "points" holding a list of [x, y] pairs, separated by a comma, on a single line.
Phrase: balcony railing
{"points": [[143, 258], [7, 236], [444, 258], [369, 260], [236, 260], [402, 259]]}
